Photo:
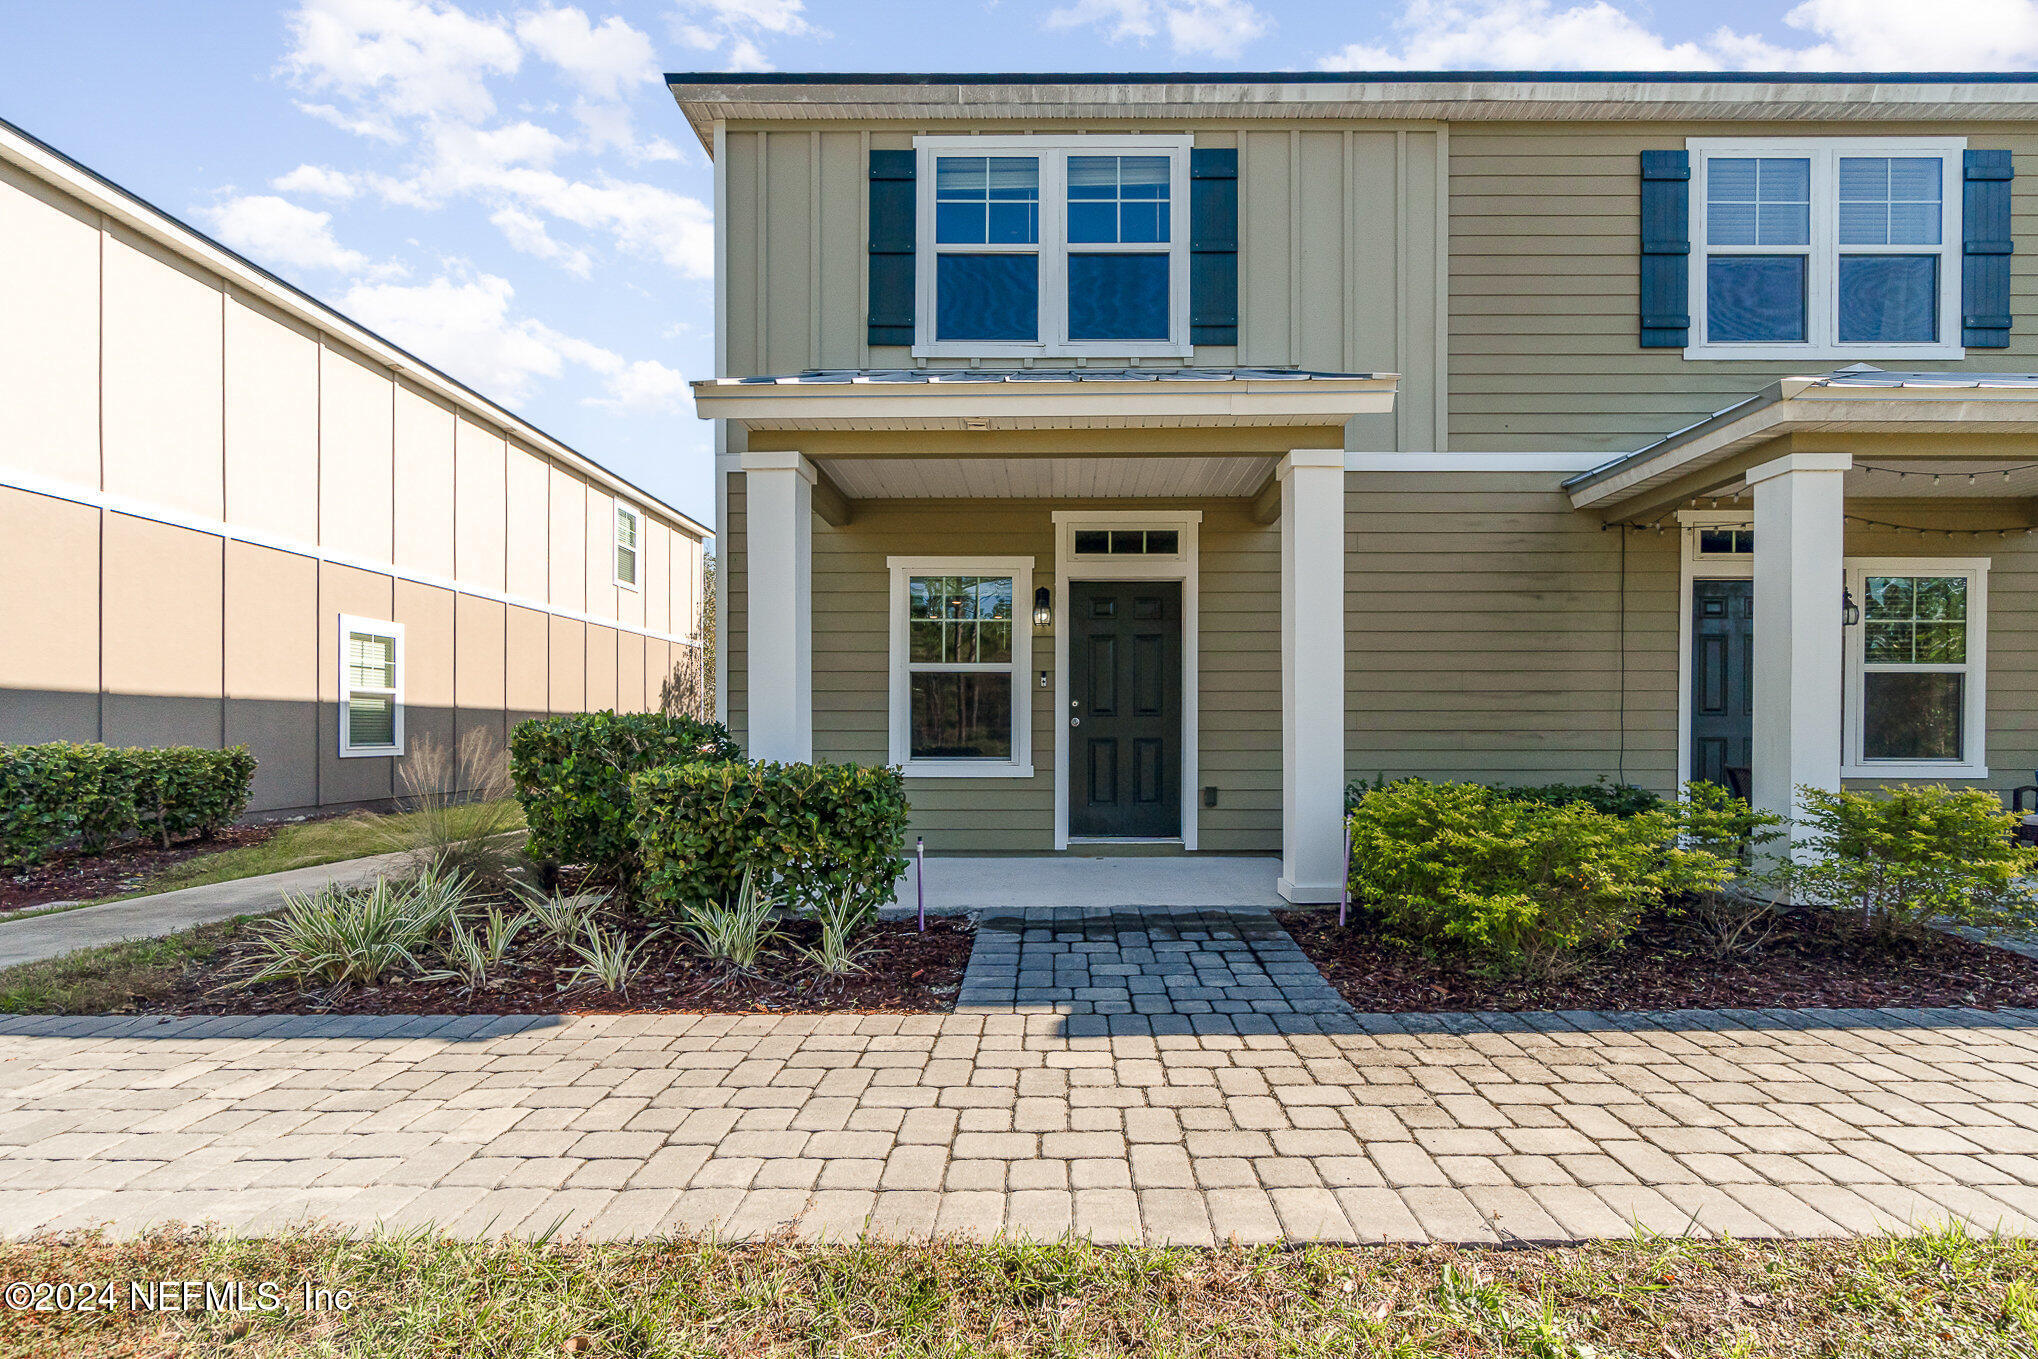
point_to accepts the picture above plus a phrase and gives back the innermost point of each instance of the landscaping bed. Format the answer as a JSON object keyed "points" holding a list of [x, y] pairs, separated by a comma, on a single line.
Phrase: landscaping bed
{"points": [[422, 1294], [1814, 960], [119, 871]]}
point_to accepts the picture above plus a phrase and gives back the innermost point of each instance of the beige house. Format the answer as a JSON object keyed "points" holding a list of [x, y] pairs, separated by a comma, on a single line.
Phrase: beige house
{"points": [[229, 515], [1135, 461]]}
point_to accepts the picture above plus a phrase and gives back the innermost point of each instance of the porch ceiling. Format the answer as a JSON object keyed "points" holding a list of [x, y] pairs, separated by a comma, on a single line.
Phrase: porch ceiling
{"points": [[1040, 478], [1038, 398], [1904, 429]]}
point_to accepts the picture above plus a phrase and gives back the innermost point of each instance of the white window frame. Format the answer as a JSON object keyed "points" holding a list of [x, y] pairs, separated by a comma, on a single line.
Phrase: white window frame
{"points": [[373, 627], [1020, 765], [1973, 763], [1053, 248], [1822, 273], [636, 546]]}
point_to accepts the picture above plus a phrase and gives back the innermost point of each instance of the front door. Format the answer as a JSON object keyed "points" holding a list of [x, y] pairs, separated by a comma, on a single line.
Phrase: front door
{"points": [[1125, 708], [1722, 678]]}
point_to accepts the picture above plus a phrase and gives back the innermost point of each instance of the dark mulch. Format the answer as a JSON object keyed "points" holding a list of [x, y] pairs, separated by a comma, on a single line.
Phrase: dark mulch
{"points": [[121, 869], [1811, 962], [905, 972]]}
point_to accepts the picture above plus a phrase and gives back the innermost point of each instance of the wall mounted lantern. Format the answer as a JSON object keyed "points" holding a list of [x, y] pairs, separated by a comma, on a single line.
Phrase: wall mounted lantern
{"points": [[1850, 612], [1043, 607]]}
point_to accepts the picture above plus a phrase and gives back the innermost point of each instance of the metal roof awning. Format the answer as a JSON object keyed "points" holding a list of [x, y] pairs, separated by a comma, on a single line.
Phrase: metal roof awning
{"points": [[1964, 418], [979, 399]]}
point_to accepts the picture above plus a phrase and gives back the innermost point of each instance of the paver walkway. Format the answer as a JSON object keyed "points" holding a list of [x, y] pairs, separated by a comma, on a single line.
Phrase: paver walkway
{"points": [[1164, 1126]]}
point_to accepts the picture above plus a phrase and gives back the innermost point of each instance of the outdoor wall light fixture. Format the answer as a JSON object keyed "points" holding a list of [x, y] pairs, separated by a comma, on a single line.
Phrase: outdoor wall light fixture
{"points": [[1850, 612], [1043, 607]]}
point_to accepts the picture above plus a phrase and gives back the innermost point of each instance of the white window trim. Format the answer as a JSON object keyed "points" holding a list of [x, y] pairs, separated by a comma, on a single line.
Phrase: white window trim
{"points": [[1974, 762], [377, 627], [636, 549], [1020, 569], [1186, 568], [1822, 272], [1053, 247]]}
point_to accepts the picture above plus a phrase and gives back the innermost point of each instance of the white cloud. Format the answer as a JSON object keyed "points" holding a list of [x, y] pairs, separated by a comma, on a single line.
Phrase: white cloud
{"points": [[736, 28], [278, 233], [403, 58], [1858, 35], [527, 233], [375, 129], [466, 324], [318, 180], [1215, 28], [604, 59]]}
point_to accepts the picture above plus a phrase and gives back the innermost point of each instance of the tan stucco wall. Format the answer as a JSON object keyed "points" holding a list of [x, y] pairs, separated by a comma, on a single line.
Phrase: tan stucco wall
{"points": [[1545, 224], [1358, 203], [131, 374]]}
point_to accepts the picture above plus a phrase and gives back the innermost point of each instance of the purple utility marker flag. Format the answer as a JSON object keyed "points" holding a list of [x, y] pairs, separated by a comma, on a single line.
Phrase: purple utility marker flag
{"points": [[920, 878]]}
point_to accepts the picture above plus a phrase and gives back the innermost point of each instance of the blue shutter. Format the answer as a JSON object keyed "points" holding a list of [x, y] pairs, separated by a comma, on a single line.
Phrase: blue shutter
{"points": [[893, 214], [1213, 246], [1985, 251], [1666, 249]]}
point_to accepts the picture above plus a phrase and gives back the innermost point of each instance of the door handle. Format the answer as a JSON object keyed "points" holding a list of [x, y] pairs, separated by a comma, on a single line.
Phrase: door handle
{"points": [[1075, 721]]}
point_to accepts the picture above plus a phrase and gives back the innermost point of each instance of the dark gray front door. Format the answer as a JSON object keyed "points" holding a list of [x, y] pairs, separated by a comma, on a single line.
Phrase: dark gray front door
{"points": [[1722, 677], [1125, 708]]}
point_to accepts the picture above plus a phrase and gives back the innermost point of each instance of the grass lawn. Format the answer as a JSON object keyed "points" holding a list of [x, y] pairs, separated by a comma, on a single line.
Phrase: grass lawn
{"points": [[318, 842], [110, 978], [417, 1295]]}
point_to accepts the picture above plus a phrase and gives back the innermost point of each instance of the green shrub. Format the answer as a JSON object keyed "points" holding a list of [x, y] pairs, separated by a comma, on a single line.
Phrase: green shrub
{"points": [[808, 831], [353, 936], [1518, 884], [1739, 914], [572, 775], [1615, 799], [56, 795], [1907, 856]]}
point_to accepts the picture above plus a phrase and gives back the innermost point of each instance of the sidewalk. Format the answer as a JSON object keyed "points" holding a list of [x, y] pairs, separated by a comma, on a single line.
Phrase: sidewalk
{"points": [[47, 936]]}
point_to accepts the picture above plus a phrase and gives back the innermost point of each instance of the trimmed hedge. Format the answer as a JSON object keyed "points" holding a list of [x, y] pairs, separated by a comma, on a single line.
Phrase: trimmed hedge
{"points": [[1615, 799], [56, 795], [813, 831], [572, 776]]}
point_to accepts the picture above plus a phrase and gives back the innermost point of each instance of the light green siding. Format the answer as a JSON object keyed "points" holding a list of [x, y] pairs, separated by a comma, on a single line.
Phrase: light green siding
{"points": [[1544, 295]]}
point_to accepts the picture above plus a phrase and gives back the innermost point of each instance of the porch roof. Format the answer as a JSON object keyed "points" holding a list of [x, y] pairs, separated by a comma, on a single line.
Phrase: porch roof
{"points": [[1974, 423], [1044, 398]]}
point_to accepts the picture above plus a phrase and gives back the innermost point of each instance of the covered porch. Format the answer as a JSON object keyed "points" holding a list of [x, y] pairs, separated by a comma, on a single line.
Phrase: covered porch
{"points": [[1085, 532], [1852, 523]]}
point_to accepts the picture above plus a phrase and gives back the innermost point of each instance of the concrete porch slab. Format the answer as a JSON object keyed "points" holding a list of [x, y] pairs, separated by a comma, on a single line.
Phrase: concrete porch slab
{"points": [[1101, 882]]}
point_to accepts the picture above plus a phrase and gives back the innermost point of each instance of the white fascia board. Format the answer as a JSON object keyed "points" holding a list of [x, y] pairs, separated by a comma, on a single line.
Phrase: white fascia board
{"points": [[1300, 402], [1474, 462]]}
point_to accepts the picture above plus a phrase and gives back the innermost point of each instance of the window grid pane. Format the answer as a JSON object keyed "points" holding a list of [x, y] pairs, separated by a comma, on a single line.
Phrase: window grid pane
{"points": [[986, 200], [371, 721], [371, 661], [1114, 199], [1915, 620], [959, 621], [1891, 200], [1764, 201], [1757, 299], [1889, 299]]}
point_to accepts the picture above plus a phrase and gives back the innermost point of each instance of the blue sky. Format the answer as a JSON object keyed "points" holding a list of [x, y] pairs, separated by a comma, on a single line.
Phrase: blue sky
{"points": [[508, 190]]}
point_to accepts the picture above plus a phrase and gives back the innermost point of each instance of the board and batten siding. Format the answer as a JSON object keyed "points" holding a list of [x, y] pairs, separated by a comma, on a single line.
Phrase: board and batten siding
{"points": [[1239, 663], [1545, 224], [161, 415], [1339, 254]]}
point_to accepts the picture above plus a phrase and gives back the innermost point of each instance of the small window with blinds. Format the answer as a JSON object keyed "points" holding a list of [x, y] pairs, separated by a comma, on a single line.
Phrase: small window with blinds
{"points": [[371, 687], [626, 547]]}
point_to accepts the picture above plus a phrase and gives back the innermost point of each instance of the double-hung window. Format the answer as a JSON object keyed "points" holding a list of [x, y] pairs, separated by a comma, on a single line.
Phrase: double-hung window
{"points": [[371, 687], [1038, 246], [1825, 248], [1916, 694], [626, 546], [960, 645]]}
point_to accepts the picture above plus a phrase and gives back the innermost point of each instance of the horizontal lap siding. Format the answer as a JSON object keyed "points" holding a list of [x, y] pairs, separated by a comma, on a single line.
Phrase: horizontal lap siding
{"points": [[1544, 303], [1239, 682], [1488, 635]]}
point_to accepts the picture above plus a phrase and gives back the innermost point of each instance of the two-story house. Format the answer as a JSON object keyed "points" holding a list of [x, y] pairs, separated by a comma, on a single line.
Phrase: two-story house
{"points": [[1138, 458]]}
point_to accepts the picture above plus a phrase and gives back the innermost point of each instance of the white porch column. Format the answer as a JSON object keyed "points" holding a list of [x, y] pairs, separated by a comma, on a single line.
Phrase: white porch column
{"points": [[1799, 578], [779, 525], [1312, 673]]}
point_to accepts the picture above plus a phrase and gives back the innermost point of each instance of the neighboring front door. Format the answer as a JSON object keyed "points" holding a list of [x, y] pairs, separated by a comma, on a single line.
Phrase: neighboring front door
{"points": [[1125, 708], [1722, 678]]}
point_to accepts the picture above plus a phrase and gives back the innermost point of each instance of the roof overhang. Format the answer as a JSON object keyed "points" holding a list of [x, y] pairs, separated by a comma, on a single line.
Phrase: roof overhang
{"points": [[1455, 96], [1032, 399], [1947, 416]]}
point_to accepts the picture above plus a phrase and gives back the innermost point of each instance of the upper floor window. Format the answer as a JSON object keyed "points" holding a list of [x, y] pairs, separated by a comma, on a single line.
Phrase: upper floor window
{"points": [[1039, 246], [626, 546], [1830, 248]]}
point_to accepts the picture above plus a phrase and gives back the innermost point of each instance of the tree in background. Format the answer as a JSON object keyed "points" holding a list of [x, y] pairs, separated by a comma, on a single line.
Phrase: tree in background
{"points": [[689, 691]]}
